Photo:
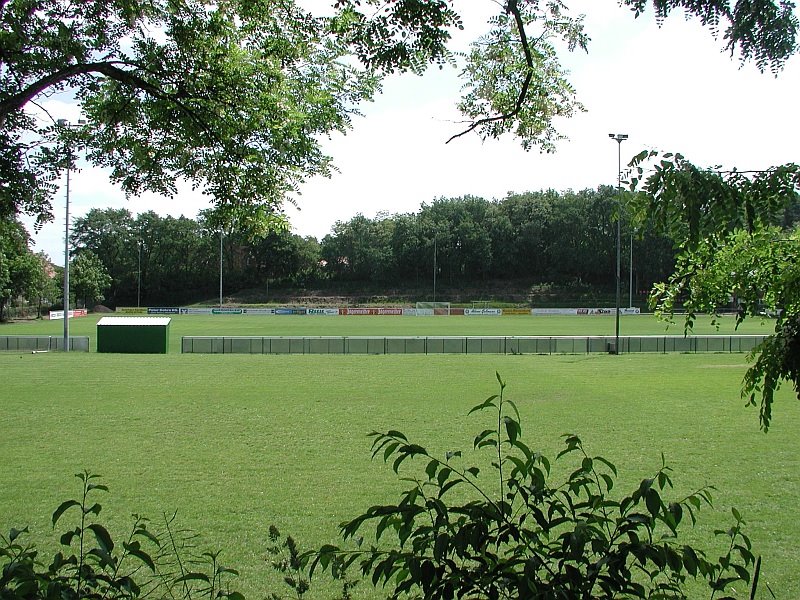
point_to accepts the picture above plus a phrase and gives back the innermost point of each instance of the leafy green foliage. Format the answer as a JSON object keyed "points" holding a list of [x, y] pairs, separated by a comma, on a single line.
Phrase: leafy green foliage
{"points": [[232, 98], [737, 246], [21, 271], [765, 31], [92, 565], [235, 96], [89, 278], [451, 535], [513, 78]]}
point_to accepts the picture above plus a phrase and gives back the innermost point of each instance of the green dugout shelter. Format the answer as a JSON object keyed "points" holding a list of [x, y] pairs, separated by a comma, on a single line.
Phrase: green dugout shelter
{"points": [[133, 335]]}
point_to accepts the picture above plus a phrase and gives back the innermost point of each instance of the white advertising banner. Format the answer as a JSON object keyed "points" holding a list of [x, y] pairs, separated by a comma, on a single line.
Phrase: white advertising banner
{"points": [[584, 311], [327, 312], [59, 314], [494, 312]]}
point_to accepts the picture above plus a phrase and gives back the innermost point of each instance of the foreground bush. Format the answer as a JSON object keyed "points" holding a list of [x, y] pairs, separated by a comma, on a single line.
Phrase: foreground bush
{"points": [[160, 563], [519, 535]]}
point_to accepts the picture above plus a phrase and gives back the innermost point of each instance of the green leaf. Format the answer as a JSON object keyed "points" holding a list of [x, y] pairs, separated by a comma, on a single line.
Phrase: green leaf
{"points": [[396, 434], [481, 437], [68, 536], [653, 501], [690, 560], [514, 406], [489, 402], [134, 549], [431, 469], [512, 429], [390, 448], [193, 576], [94, 509], [63, 508], [102, 536]]}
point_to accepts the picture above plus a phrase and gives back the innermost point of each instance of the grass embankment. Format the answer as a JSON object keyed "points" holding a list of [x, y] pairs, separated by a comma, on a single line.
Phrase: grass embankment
{"points": [[238, 442]]}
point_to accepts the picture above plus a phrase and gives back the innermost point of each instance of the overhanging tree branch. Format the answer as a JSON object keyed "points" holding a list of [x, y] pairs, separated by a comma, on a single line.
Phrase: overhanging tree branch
{"points": [[110, 69], [513, 9]]}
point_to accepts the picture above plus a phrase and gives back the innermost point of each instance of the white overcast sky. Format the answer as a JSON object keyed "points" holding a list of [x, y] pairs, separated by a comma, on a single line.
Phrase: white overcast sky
{"points": [[670, 88]]}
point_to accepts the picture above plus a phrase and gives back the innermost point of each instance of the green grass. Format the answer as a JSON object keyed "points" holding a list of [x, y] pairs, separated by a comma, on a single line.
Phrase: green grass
{"points": [[238, 442], [233, 325]]}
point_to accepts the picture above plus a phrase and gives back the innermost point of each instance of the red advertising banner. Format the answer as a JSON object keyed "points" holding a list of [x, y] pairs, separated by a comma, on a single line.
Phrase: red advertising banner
{"points": [[370, 311]]}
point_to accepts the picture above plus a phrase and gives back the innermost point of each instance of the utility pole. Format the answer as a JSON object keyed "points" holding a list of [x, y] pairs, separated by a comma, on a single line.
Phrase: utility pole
{"points": [[619, 138]]}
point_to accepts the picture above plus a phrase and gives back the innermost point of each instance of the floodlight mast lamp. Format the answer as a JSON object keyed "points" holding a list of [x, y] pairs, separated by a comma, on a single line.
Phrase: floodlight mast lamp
{"points": [[64, 124], [619, 138]]}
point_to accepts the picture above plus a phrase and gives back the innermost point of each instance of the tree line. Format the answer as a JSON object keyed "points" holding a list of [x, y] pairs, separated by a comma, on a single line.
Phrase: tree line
{"points": [[538, 237]]}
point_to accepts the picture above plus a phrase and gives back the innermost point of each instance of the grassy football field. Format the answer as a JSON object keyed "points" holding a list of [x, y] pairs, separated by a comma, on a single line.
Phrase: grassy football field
{"points": [[238, 442]]}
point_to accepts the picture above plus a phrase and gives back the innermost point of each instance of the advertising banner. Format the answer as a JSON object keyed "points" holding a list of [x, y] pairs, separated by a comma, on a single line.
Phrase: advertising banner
{"points": [[59, 314], [258, 311], [226, 311], [195, 311], [494, 312], [132, 310], [163, 310], [328, 312], [413, 312], [516, 311], [371, 311], [290, 311], [584, 311]]}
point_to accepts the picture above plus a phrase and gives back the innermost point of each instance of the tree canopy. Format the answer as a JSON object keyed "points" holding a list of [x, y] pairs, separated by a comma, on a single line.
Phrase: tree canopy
{"points": [[737, 237], [235, 96], [21, 271]]}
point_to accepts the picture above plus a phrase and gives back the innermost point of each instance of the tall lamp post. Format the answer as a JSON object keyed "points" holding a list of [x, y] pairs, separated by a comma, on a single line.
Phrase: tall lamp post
{"points": [[630, 274], [63, 123], [619, 138], [220, 268], [434, 267], [139, 282]]}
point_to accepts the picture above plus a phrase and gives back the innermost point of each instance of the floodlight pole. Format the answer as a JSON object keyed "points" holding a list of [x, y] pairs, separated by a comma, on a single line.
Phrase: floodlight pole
{"points": [[434, 268], [220, 268], [139, 285], [63, 123], [619, 138], [630, 287]]}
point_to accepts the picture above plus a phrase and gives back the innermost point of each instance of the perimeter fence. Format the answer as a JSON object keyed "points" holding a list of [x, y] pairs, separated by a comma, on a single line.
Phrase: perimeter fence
{"points": [[466, 345]]}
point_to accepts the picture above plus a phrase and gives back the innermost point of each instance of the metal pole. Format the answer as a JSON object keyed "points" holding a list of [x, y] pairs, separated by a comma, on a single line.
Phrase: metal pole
{"points": [[139, 286], [220, 268], [66, 124], [630, 274], [66, 257], [619, 138], [434, 268]]}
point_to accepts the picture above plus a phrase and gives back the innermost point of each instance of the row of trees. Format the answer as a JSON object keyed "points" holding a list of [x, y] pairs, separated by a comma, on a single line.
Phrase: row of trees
{"points": [[30, 278], [537, 236], [543, 236], [165, 260]]}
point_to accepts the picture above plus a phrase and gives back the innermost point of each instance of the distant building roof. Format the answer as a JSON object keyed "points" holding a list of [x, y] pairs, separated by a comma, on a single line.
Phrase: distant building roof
{"points": [[139, 321]]}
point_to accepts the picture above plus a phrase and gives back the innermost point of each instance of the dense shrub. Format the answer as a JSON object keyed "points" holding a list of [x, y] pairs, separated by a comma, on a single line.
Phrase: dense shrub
{"points": [[520, 535], [163, 563]]}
